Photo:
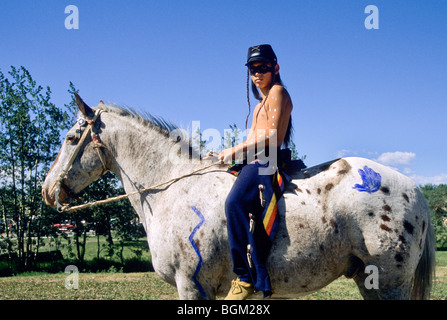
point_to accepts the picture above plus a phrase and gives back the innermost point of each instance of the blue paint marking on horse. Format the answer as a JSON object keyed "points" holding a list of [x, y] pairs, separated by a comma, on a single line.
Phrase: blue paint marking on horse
{"points": [[193, 243], [371, 180]]}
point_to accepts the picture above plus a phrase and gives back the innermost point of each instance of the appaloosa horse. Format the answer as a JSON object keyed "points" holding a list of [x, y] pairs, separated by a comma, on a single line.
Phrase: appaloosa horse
{"points": [[349, 217]]}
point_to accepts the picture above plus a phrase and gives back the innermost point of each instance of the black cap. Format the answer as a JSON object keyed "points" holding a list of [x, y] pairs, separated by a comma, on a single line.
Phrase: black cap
{"points": [[263, 52]]}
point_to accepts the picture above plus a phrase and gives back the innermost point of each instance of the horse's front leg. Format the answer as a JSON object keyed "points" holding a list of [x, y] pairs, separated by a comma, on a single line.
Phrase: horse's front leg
{"points": [[188, 289]]}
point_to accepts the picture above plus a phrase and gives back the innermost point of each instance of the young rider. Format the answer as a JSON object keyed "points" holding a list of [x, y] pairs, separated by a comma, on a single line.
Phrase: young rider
{"points": [[271, 126]]}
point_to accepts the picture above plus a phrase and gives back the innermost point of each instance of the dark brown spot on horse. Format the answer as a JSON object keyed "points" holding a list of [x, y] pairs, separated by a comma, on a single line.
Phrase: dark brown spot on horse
{"points": [[385, 217], [387, 208], [399, 257], [385, 190], [408, 227], [329, 186], [384, 227], [334, 225], [402, 239], [406, 197], [182, 247]]}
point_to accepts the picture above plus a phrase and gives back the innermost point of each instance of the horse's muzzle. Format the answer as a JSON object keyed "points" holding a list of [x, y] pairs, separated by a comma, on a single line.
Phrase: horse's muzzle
{"points": [[54, 195], [48, 196]]}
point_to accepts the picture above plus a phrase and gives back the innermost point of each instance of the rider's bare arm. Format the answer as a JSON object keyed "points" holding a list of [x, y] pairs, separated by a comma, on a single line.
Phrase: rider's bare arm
{"points": [[269, 125]]}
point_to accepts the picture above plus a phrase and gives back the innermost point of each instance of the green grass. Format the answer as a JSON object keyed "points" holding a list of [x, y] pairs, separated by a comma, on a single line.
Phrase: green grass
{"points": [[97, 286], [136, 257], [147, 286], [441, 258]]}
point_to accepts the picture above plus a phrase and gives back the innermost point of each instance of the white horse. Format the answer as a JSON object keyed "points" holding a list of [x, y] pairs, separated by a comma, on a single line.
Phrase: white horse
{"points": [[348, 217]]}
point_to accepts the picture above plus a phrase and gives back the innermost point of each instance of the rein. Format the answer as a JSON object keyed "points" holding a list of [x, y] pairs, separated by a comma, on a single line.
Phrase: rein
{"points": [[124, 196]]}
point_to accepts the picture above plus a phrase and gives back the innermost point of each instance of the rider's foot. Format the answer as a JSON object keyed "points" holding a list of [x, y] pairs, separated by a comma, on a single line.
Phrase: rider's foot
{"points": [[240, 290]]}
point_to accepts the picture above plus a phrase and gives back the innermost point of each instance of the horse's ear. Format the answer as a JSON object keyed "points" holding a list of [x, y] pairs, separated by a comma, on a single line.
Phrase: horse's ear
{"points": [[83, 107]]}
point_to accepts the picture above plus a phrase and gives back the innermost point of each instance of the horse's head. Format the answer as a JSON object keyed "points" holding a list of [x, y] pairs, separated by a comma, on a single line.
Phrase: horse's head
{"points": [[81, 160]]}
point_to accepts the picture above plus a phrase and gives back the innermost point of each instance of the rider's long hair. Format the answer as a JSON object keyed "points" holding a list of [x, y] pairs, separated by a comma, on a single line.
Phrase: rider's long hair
{"points": [[275, 80]]}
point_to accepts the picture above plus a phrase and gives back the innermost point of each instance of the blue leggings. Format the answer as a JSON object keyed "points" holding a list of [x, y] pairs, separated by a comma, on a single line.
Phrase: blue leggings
{"points": [[242, 200]]}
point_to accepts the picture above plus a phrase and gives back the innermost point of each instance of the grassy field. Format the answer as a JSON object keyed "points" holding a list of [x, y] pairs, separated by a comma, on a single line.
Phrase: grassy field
{"points": [[147, 286], [91, 248], [133, 256]]}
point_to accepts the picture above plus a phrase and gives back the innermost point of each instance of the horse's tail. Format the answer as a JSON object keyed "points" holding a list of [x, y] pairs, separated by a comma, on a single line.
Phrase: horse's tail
{"points": [[424, 275]]}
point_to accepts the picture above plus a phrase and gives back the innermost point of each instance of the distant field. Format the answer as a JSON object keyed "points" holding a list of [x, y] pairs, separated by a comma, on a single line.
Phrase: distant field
{"points": [[147, 286], [92, 244]]}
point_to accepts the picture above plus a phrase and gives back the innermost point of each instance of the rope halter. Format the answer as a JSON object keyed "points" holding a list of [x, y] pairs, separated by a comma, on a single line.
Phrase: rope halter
{"points": [[95, 138]]}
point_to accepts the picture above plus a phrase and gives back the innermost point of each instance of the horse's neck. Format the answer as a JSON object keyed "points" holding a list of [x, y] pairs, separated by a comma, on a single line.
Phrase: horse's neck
{"points": [[144, 157]]}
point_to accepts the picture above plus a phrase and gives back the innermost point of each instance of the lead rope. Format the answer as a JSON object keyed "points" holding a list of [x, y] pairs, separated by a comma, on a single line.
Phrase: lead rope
{"points": [[124, 196]]}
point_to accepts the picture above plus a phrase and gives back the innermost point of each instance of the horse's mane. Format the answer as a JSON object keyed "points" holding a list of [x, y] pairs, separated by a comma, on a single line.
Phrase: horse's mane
{"points": [[145, 118], [148, 120]]}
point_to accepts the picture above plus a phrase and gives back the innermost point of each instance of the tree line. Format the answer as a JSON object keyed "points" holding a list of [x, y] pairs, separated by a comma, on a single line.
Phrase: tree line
{"points": [[436, 197], [30, 137]]}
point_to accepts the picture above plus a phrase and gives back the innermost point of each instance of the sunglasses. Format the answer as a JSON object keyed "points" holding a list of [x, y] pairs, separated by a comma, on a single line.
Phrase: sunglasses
{"points": [[263, 68]]}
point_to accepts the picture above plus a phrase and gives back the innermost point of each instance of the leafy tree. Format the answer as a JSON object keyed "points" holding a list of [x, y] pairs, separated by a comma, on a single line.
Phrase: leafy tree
{"points": [[98, 218], [198, 143], [232, 137], [30, 128], [295, 153], [437, 199]]}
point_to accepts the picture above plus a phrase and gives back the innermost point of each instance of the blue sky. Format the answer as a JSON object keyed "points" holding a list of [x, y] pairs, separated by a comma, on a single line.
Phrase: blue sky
{"points": [[379, 93]]}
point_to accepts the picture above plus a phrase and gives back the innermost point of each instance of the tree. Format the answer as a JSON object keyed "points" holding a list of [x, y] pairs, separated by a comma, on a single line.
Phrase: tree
{"points": [[437, 199], [232, 137], [30, 137], [30, 128], [100, 217], [295, 153]]}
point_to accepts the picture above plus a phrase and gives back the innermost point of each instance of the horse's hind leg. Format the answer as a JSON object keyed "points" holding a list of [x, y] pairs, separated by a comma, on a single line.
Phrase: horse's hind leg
{"points": [[367, 292]]}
